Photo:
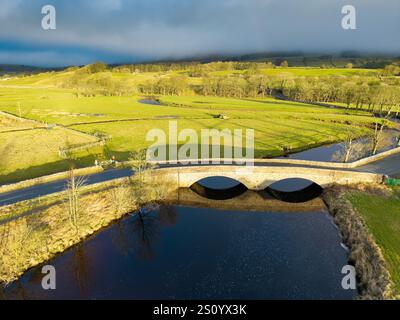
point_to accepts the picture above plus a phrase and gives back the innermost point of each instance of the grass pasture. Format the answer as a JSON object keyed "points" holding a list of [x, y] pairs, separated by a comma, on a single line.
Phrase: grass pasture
{"points": [[31, 153]]}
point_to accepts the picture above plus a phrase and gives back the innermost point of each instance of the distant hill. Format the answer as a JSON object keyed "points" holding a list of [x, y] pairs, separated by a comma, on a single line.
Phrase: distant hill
{"points": [[14, 68], [294, 58]]}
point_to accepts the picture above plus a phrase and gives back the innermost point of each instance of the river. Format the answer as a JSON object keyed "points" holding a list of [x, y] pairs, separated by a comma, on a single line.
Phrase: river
{"points": [[249, 247]]}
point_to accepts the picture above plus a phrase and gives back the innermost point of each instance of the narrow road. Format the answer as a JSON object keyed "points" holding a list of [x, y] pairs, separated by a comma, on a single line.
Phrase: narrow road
{"points": [[57, 186], [389, 166]]}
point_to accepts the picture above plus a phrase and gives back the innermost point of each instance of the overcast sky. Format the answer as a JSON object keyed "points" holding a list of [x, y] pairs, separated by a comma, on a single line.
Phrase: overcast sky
{"points": [[134, 30]]}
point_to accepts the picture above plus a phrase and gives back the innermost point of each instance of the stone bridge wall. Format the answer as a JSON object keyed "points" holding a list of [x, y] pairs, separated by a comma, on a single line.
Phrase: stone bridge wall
{"points": [[258, 178]]}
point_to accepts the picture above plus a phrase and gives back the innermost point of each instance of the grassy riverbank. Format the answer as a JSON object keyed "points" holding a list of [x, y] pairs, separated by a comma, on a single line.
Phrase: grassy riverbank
{"points": [[381, 213], [33, 231], [369, 220], [373, 278]]}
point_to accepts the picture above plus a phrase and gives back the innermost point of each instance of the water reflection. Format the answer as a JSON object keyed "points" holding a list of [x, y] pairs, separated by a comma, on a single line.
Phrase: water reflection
{"points": [[80, 268], [140, 235], [294, 190], [217, 194], [291, 184], [330, 152], [199, 253], [288, 190], [251, 201], [308, 193]]}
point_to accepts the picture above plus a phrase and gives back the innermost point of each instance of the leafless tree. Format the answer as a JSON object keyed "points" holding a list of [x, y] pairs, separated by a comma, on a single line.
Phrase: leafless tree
{"points": [[352, 150], [381, 122], [73, 193], [141, 167], [121, 198]]}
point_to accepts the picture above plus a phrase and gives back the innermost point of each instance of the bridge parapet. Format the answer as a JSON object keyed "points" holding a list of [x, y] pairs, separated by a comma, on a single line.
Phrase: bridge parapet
{"points": [[294, 162], [258, 178]]}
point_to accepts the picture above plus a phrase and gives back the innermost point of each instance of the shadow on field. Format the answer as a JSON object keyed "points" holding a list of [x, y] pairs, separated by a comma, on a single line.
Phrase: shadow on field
{"points": [[46, 169]]}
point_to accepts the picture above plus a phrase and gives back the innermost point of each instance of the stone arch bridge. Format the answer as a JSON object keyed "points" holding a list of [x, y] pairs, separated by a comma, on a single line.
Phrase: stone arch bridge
{"points": [[260, 177]]}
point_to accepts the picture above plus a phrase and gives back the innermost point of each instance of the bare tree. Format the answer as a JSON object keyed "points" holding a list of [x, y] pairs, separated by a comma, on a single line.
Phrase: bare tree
{"points": [[73, 193], [121, 198], [345, 152], [381, 122], [140, 165], [141, 168], [352, 149]]}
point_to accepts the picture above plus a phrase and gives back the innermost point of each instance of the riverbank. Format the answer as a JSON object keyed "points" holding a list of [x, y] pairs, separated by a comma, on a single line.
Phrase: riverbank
{"points": [[381, 213], [37, 230], [376, 271]]}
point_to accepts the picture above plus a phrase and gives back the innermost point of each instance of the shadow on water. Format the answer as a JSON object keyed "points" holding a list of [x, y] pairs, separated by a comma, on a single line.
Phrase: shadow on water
{"points": [[294, 190], [309, 193], [288, 190], [218, 188], [250, 201]]}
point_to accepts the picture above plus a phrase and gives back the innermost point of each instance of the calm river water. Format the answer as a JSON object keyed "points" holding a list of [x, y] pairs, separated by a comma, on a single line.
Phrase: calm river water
{"points": [[180, 252], [253, 247]]}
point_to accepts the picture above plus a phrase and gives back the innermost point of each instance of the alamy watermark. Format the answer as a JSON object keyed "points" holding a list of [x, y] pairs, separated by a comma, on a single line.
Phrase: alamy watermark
{"points": [[186, 147], [49, 20], [349, 281], [349, 20], [49, 280]]}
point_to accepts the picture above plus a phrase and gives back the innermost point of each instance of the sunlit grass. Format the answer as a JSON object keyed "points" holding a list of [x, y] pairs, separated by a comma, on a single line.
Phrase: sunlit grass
{"points": [[277, 124], [382, 216]]}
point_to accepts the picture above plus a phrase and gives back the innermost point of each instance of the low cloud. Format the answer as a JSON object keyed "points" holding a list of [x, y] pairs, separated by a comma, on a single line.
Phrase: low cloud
{"points": [[181, 28]]}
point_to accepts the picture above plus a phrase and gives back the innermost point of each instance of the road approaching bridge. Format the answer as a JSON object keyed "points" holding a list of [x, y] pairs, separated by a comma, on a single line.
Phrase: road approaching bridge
{"points": [[389, 166]]}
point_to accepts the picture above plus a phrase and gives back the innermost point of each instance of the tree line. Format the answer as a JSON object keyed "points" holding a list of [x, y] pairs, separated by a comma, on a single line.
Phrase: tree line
{"points": [[374, 96], [197, 69], [373, 93]]}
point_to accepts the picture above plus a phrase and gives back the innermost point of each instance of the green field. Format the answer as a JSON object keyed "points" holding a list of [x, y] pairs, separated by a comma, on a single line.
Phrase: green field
{"points": [[27, 151], [44, 98], [382, 216]]}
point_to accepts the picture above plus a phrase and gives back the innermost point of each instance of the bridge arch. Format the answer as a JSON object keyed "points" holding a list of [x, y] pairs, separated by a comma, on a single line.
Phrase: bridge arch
{"points": [[294, 190], [253, 178], [245, 181], [287, 190], [219, 188]]}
